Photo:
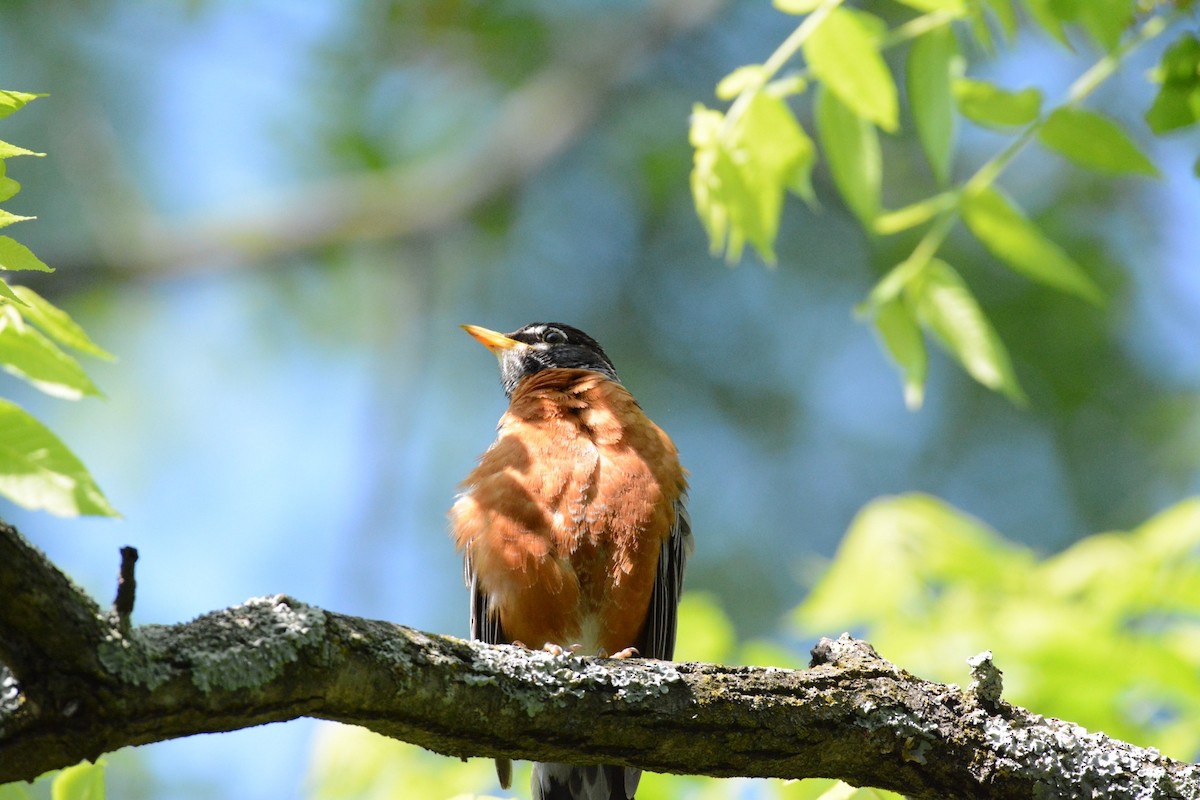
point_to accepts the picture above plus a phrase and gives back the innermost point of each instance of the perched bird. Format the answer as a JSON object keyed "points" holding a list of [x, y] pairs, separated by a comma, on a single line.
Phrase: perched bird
{"points": [[572, 528]]}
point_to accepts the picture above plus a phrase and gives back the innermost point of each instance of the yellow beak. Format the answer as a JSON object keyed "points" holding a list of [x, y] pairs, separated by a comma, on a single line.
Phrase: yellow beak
{"points": [[496, 342]]}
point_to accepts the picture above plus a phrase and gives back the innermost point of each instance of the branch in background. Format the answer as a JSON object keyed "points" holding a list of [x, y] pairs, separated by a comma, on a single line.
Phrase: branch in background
{"points": [[84, 689], [536, 122]]}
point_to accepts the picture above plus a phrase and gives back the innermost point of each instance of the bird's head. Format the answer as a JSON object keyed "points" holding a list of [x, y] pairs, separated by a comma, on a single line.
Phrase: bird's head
{"points": [[542, 345]]}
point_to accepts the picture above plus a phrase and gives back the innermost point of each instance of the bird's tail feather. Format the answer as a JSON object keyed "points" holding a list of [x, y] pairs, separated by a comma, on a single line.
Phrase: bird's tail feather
{"points": [[567, 782]]}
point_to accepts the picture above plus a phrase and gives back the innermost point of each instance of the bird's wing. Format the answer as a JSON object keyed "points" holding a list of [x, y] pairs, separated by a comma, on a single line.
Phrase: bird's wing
{"points": [[485, 626], [658, 640], [485, 621]]}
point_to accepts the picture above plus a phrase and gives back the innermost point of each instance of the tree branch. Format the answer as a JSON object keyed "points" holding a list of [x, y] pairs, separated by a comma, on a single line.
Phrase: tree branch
{"points": [[530, 126], [82, 688]]}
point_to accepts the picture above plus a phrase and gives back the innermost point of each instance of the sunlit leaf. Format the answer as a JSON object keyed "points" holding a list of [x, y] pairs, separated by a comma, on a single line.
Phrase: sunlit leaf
{"points": [[1107, 20], [897, 327], [896, 554], [15, 791], [57, 324], [844, 54], [743, 168], [9, 150], [37, 470], [1044, 14], [7, 292], [851, 148], [742, 78], [706, 634], [933, 62], [787, 86], [796, 6], [1006, 14], [1177, 103], [16, 256], [947, 308], [839, 791], [352, 763], [7, 219], [83, 781], [957, 8], [708, 194], [1102, 633], [988, 104], [8, 187], [980, 28], [1093, 141], [12, 101], [28, 354], [1011, 237]]}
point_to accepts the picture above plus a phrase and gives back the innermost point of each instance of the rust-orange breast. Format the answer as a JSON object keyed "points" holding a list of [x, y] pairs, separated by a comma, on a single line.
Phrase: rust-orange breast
{"points": [[565, 516]]}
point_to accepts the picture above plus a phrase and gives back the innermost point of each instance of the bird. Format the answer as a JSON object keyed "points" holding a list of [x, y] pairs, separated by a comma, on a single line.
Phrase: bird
{"points": [[573, 526]]}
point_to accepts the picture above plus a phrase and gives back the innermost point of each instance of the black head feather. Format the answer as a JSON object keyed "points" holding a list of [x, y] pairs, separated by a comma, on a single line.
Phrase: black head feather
{"points": [[552, 345]]}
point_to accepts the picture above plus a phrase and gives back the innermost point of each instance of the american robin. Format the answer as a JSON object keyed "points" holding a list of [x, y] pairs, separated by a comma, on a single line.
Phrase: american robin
{"points": [[573, 528]]}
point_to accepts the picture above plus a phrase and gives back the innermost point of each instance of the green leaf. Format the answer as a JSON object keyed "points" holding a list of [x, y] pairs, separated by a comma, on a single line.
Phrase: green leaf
{"points": [[797, 6], [7, 292], [715, 637], [708, 192], [57, 324], [1094, 142], [37, 471], [787, 86], [851, 146], [955, 8], [1045, 15], [999, 224], [9, 150], [948, 309], [991, 106], [15, 791], [8, 187], [897, 555], [933, 62], [1006, 14], [28, 354], [7, 219], [1177, 104], [1107, 20], [16, 256], [844, 54], [741, 79], [84, 781], [742, 170], [897, 327], [12, 101]]}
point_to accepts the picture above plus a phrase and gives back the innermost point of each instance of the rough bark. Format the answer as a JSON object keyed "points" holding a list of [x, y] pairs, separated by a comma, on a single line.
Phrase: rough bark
{"points": [[79, 687]]}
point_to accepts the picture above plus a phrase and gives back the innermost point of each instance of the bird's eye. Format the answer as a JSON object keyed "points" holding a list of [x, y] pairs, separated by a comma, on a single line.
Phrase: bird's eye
{"points": [[554, 336]]}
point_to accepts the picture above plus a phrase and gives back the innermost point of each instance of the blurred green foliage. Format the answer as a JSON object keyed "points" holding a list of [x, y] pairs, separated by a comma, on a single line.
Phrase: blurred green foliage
{"points": [[84, 781], [37, 470], [1105, 633]]}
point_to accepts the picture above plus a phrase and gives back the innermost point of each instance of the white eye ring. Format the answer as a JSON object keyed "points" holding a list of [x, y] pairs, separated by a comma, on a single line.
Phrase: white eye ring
{"points": [[554, 336]]}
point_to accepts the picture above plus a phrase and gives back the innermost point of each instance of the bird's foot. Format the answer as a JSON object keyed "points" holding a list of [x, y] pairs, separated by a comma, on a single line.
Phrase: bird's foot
{"points": [[628, 652]]}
